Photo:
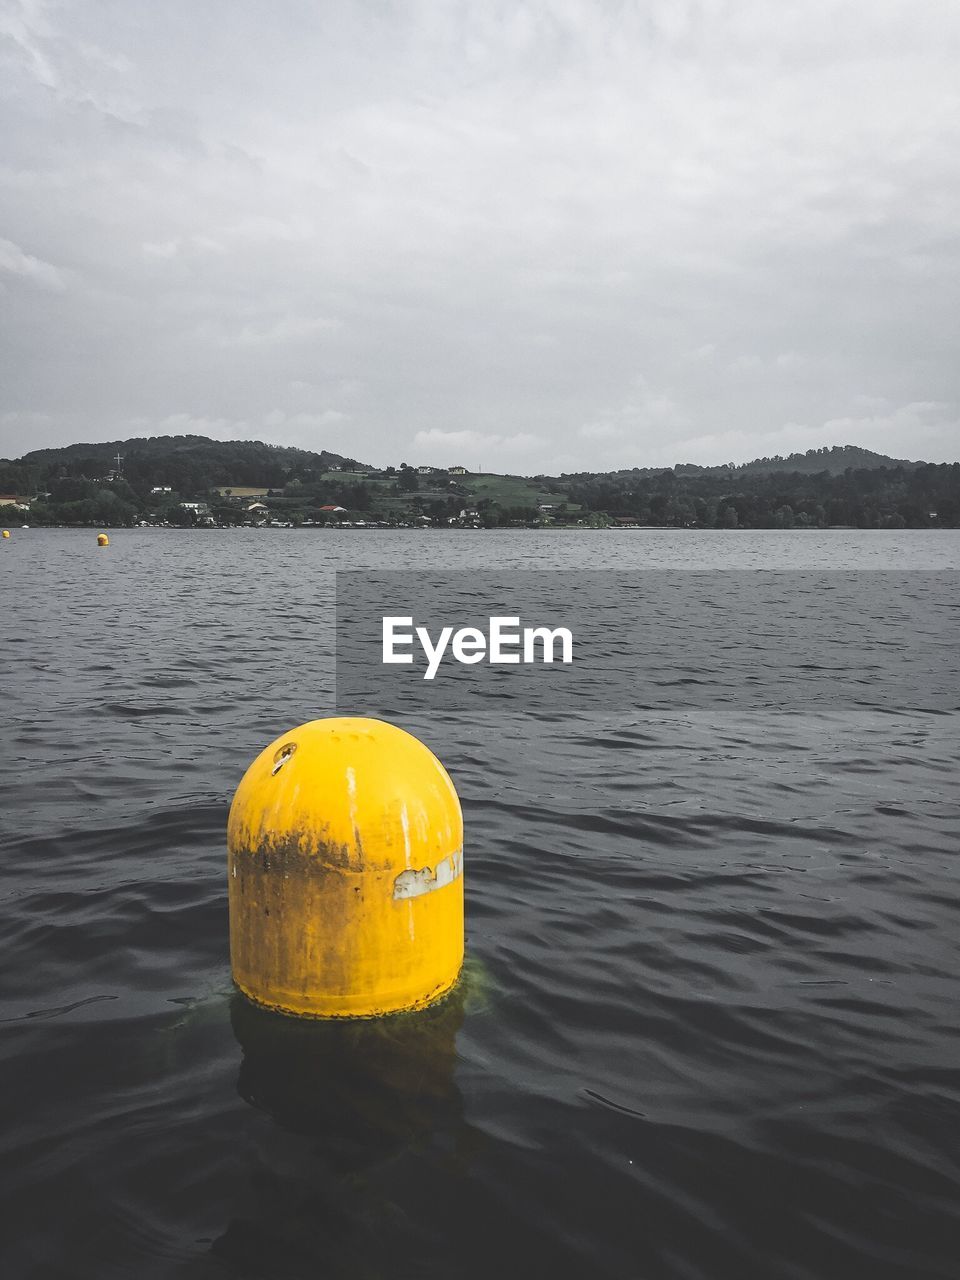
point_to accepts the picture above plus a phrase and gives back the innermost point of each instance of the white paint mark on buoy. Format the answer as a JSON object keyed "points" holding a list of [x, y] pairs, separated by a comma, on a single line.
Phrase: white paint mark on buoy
{"points": [[411, 884]]}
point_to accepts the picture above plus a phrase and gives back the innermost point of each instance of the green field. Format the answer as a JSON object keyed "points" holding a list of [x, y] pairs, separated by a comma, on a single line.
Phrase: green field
{"points": [[512, 491], [504, 490]]}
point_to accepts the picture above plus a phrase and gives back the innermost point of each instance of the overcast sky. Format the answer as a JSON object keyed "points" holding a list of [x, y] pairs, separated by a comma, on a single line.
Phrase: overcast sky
{"points": [[528, 236]]}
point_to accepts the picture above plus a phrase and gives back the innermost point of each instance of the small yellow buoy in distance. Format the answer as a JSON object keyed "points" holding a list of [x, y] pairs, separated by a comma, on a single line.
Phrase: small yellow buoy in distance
{"points": [[345, 849], [102, 540], [6, 533]]}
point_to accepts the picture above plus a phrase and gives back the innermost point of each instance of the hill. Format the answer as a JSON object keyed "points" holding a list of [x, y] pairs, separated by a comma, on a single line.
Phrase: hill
{"points": [[183, 462], [163, 447], [835, 461]]}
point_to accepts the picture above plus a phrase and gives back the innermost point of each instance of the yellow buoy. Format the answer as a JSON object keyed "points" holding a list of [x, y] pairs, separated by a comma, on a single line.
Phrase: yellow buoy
{"points": [[6, 533], [102, 540], [345, 842]]}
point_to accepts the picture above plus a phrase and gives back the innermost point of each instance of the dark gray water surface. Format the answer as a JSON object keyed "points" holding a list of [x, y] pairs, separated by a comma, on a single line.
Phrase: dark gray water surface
{"points": [[709, 1024]]}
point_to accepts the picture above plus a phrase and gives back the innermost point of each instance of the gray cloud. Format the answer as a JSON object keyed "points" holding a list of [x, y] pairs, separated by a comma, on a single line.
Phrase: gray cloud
{"points": [[545, 235]]}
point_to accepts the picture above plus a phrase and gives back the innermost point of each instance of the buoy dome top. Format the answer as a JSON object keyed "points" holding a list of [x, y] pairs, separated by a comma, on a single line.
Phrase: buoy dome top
{"points": [[352, 792]]}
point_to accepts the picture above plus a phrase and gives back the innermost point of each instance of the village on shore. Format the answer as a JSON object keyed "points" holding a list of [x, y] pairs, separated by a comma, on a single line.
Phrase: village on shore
{"points": [[365, 498], [389, 498]]}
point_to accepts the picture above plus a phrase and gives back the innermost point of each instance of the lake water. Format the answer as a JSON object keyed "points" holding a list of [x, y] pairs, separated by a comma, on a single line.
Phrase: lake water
{"points": [[709, 1021]]}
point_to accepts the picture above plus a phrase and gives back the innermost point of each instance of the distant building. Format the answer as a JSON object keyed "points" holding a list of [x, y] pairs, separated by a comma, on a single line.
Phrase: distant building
{"points": [[12, 500], [242, 491], [457, 471], [162, 488], [331, 510], [199, 507], [425, 471], [257, 506]]}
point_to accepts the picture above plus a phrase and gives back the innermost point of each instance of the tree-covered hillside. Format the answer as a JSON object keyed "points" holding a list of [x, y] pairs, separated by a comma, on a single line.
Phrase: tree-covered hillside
{"points": [[925, 495], [188, 464]]}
